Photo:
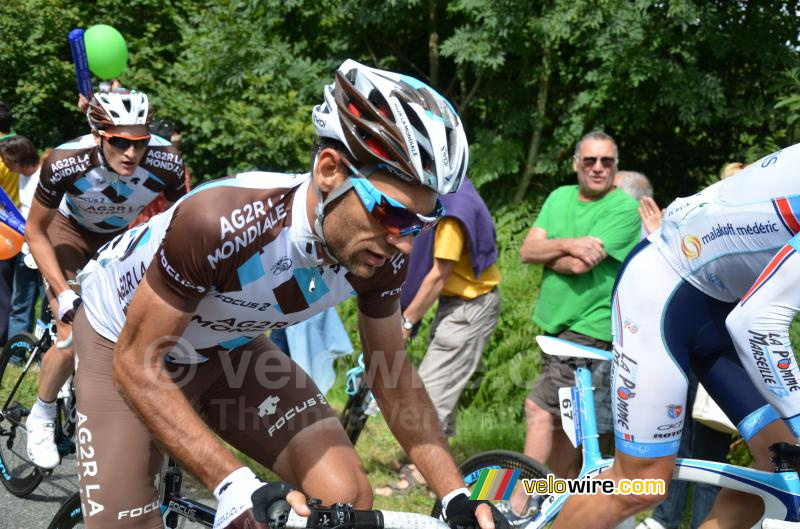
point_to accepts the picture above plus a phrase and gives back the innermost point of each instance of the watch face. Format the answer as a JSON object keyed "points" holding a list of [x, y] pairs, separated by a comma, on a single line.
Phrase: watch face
{"points": [[407, 325]]}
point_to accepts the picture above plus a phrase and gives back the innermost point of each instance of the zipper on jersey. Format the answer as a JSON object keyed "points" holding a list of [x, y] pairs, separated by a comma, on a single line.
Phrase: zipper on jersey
{"points": [[312, 285]]}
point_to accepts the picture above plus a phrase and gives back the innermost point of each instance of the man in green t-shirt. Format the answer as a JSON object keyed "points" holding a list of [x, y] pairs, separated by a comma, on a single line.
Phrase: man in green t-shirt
{"points": [[581, 236]]}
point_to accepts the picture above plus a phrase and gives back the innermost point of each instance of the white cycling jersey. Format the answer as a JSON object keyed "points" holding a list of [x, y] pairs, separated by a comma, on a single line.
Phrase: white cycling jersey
{"points": [[721, 238], [237, 254], [714, 296], [76, 180]]}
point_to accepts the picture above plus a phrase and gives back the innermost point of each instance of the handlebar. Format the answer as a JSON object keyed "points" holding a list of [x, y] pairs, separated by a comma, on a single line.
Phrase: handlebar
{"points": [[66, 343], [779, 524], [346, 517]]}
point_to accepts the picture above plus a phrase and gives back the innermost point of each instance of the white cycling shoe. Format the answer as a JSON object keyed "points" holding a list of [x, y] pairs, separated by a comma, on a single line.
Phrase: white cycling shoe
{"points": [[42, 449]]}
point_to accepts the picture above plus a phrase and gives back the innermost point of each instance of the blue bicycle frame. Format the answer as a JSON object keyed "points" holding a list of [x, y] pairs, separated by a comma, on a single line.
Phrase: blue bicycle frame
{"points": [[780, 491]]}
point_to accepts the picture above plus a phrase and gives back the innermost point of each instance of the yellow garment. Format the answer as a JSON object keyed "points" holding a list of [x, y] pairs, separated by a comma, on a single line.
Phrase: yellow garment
{"points": [[451, 244], [10, 183]]}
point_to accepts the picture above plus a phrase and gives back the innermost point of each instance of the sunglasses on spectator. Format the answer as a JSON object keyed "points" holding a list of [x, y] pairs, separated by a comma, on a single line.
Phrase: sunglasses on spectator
{"points": [[123, 143], [589, 161], [395, 218]]}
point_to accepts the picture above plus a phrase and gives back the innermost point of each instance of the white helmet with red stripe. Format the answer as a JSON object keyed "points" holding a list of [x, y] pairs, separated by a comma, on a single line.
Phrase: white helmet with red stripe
{"points": [[396, 122], [119, 107]]}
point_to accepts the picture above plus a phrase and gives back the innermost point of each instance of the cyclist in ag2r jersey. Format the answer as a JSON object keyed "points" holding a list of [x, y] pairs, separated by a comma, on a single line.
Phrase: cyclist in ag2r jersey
{"points": [[89, 190], [711, 291], [170, 337]]}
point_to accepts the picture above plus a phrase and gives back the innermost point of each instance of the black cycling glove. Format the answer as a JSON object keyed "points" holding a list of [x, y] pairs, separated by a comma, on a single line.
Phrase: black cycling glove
{"points": [[460, 514]]}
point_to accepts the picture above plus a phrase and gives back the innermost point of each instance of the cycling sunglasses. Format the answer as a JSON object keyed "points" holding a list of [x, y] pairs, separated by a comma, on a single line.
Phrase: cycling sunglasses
{"points": [[395, 218], [589, 161], [123, 143]]}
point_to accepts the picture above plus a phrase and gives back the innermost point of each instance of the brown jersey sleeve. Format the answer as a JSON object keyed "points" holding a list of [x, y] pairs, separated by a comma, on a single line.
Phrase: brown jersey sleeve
{"points": [[59, 170], [179, 272], [167, 164], [379, 295]]}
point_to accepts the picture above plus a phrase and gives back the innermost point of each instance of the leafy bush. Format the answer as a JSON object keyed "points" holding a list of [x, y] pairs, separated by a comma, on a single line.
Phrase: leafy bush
{"points": [[509, 361], [511, 356]]}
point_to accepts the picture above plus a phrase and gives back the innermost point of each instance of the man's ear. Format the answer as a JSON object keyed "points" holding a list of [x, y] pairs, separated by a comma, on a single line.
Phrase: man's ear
{"points": [[329, 171], [96, 136], [575, 163]]}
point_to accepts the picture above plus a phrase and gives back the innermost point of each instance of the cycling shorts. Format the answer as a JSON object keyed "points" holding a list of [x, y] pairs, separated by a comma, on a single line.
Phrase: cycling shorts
{"points": [[257, 399], [663, 326], [74, 245]]}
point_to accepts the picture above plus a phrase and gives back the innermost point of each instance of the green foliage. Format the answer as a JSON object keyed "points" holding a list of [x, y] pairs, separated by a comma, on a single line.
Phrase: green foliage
{"points": [[242, 86], [479, 430], [36, 63], [790, 102], [494, 156], [38, 77], [739, 454], [684, 86], [510, 359]]}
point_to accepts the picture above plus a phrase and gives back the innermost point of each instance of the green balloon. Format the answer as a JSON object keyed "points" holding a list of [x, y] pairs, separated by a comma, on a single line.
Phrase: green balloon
{"points": [[106, 51]]}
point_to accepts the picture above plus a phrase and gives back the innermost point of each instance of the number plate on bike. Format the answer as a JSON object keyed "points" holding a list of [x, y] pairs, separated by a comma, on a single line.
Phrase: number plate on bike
{"points": [[570, 414], [41, 328]]}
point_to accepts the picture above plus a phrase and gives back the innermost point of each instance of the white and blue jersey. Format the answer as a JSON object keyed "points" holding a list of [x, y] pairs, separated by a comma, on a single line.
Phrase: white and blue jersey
{"points": [[237, 254], [75, 180], [720, 239], [711, 292]]}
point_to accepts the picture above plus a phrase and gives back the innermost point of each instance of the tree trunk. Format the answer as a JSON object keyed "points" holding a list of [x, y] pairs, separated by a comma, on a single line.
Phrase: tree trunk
{"points": [[536, 139], [433, 45]]}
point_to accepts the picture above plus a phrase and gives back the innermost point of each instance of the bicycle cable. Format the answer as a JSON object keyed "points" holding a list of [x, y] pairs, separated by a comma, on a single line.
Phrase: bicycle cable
{"points": [[352, 381]]}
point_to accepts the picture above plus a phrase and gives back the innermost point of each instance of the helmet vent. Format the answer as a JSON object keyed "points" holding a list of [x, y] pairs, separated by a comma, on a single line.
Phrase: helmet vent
{"points": [[375, 147], [396, 122], [427, 162], [389, 140], [381, 105], [354, 109], [414, 120]]}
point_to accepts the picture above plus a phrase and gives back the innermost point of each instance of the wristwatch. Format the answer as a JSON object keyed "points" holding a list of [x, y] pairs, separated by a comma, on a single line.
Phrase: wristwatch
{"points": [[407, 324]]}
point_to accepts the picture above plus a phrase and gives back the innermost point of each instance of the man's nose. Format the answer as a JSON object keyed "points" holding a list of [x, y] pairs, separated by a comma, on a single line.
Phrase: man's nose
{"points": [[403, 243]]}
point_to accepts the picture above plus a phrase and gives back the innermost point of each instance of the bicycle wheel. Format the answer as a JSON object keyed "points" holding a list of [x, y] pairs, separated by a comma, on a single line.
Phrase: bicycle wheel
{"points": [[471, 468], [69, 515], [17, 473]]}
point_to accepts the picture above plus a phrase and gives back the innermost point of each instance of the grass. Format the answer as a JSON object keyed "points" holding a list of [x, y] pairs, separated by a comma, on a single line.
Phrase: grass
{"points": [[477, 431], [26, 394], [491, 409]]}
